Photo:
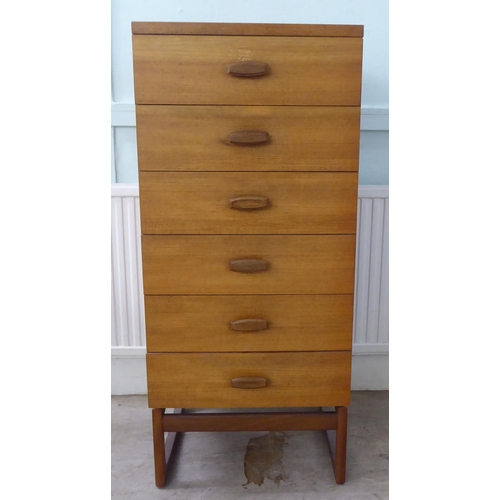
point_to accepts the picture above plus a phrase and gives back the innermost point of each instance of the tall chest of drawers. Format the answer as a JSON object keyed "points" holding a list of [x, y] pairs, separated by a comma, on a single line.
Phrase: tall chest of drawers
{"points": [[248, 146]]}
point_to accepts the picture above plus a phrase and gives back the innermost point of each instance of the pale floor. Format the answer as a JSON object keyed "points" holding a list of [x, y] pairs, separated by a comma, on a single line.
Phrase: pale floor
{"points": [[211, 465]]}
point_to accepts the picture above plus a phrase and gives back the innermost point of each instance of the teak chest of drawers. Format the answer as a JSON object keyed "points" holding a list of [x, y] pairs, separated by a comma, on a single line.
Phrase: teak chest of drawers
{"points": [[248, 146]]}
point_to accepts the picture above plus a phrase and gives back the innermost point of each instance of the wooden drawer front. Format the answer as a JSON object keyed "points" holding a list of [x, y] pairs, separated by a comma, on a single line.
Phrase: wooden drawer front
{"points": [[191, 265], [217, 323], [224, 202], [170, 69], [293, 379], [198, 138]]}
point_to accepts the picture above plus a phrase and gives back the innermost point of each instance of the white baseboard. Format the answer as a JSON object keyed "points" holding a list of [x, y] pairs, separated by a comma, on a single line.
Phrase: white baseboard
{"points": [[128, 375], [370, 371]]}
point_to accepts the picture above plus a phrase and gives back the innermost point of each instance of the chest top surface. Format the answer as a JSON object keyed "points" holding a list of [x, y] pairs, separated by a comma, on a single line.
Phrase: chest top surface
{"points": [[247, 29]]}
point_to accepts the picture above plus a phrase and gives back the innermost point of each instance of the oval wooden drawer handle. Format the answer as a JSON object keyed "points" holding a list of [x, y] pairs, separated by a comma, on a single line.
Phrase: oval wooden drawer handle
{"points": [[249, 325], [248, 69], [248, 137], [248, 382], [249, 202], [248, 265]]}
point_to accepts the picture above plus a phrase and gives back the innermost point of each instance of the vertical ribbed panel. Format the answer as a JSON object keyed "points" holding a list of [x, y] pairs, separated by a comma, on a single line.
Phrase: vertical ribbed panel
{"points": [[127, 295], [362, 271], [383, 320], [114, 337], [130, 232], [371, 300], [371, 307], [119, 272], [375, 268]]}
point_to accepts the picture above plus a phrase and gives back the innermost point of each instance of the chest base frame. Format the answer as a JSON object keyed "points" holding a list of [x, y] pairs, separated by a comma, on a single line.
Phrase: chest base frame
{"points": [[178, 422]]}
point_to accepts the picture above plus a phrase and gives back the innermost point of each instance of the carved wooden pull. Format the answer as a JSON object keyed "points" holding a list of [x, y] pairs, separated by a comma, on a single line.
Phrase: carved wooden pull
{"points": [[248, 69], [248, 382], [248, 137], [248, 325], [249, 202], [248, 265]]}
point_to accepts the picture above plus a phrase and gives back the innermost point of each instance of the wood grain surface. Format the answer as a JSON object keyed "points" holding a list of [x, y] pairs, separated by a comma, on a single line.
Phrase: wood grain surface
{"points": [[194, 265], [252, 29], [294, 323], [172, 69], [294, 379], [200, 202], [280, 421], [197, 138]]}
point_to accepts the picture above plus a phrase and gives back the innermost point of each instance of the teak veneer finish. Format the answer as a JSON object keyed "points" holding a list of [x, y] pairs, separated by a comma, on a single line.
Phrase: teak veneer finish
{"points": [[248, 147], [301, 138], [294, 202], [200, 264], [194, 380], [230, 29], [172, 69], [180, 323]]}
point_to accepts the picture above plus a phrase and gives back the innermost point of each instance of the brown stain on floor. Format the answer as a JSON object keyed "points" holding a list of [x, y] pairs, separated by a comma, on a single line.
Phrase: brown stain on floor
{"points": [[263, 459]]}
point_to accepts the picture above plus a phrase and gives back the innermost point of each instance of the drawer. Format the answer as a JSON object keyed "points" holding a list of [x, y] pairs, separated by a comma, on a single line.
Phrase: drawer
{"points": [[172, 69], [236, 323], [192, 265], [292, 379], [248, 202], [203, 138]]}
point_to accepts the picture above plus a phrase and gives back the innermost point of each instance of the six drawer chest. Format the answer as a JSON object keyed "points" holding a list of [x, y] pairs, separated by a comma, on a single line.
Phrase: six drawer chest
{"points": [[248, 147]]}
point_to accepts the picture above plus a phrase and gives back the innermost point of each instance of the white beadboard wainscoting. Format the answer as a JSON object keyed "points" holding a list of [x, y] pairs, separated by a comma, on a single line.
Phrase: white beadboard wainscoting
{"points": [[370, 370]]}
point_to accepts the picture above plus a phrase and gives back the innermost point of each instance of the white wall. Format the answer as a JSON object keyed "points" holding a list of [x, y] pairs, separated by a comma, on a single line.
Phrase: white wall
{"points": [[373, 14]]}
